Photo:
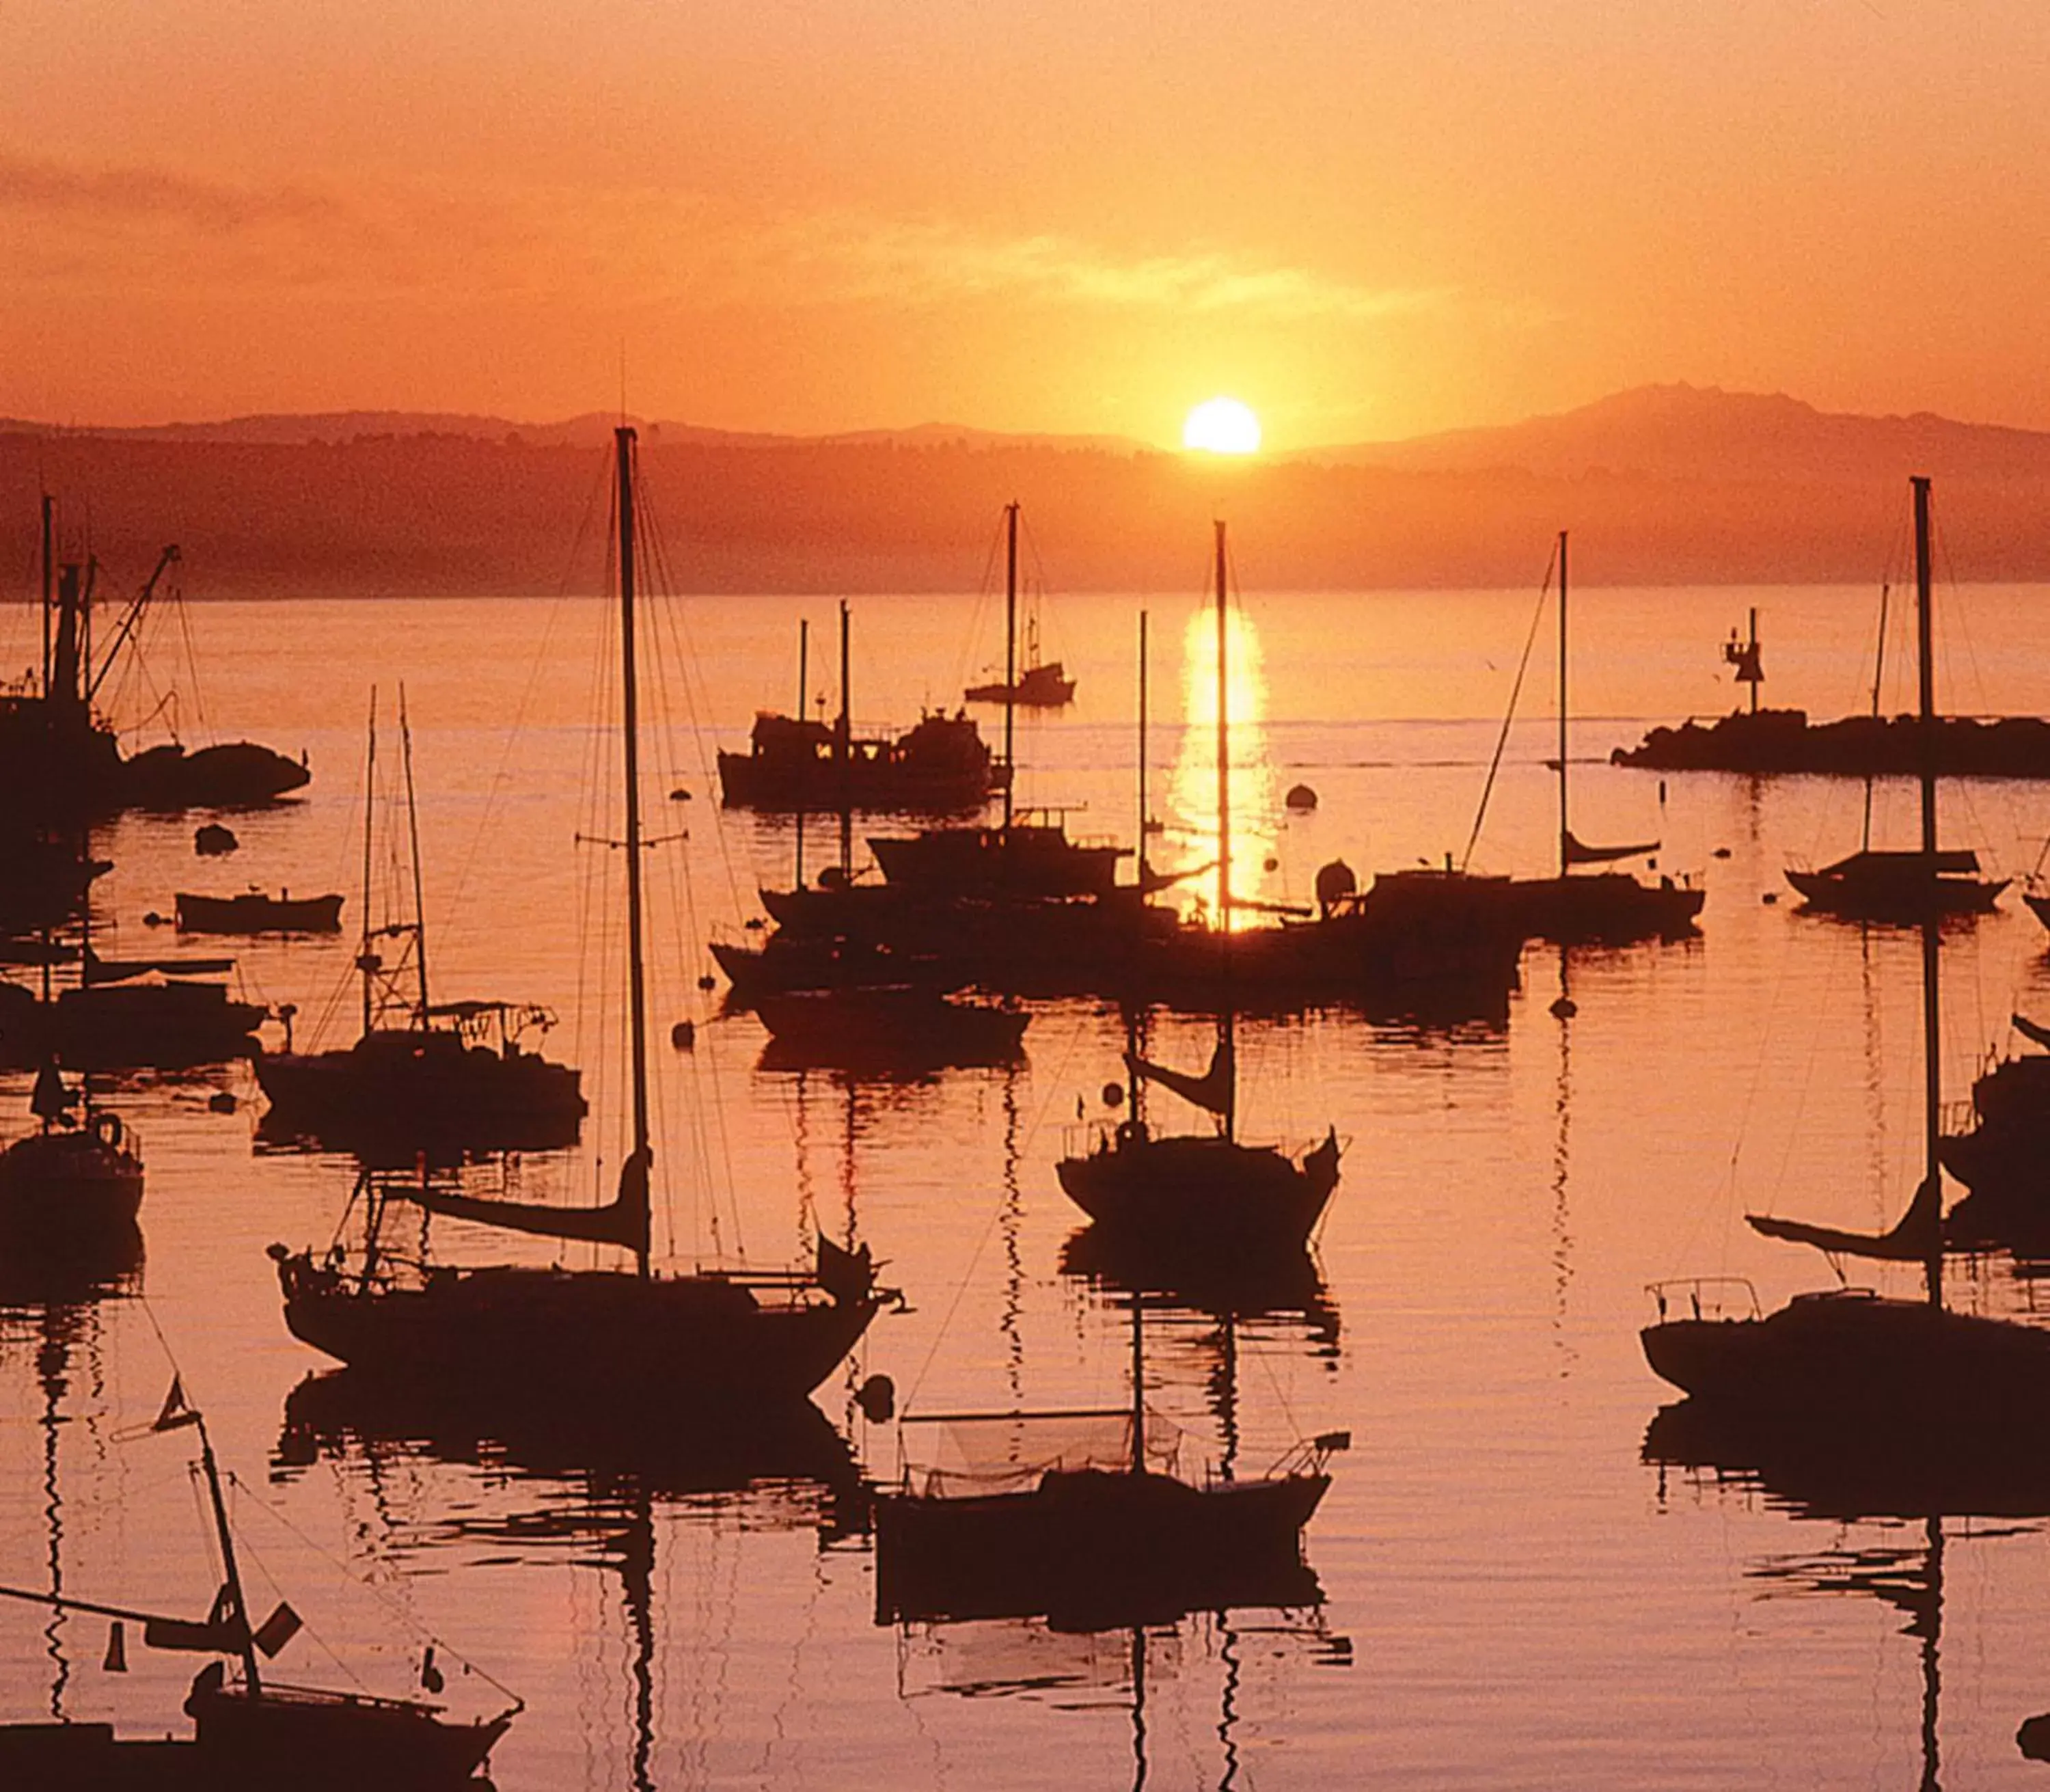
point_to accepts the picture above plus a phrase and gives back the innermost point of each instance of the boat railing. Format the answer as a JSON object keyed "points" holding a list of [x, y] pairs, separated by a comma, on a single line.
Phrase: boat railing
{"points": [[1958, 1116], [1086, 1138], [1706, 1297], [1311, 1455]]}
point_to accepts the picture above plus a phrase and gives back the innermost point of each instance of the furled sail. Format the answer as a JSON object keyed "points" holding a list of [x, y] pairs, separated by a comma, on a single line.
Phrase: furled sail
{"points": [[622, 1221], [1911, 1241], [1211, 1092], [1574, 852]]}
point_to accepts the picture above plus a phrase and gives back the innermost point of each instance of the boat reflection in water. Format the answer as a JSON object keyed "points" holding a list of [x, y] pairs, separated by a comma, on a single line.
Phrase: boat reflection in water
{"points": [[1134, 1669], [1864, 1476], [592, 1488]]}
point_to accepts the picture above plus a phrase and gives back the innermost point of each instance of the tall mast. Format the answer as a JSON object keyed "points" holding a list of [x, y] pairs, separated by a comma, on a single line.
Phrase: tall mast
{"points": [[413, 829], [844, 752], [49, 554], [623, 438], [363, 962], [1225, 1046], [1141, 843], [1138, 1386], [1932, 1077], [1223, 749], [1135, 1085], [1010, 655], [229, 1567], [1563, 830], [803, 648]]}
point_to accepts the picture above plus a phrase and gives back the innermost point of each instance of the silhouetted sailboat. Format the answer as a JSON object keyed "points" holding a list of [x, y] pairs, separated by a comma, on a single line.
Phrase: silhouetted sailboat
{"points": [[1192, 1194], [423, 1076], [1021, 860], [635, 1345], [248, 1730], [1084, 1516], [1848, 1356], [1903, 886], [1601, 907]]}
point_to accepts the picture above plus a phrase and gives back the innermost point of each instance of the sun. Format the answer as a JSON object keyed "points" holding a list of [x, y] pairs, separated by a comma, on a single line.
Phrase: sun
{"points": [[1222, 426]]}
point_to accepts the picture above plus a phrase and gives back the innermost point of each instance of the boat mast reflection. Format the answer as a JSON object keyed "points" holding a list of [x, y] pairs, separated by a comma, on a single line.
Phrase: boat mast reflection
{"points": [[1823, 1474]]}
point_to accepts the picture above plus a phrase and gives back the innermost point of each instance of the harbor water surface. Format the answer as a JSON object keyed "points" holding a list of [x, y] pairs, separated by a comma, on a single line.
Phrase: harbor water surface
{"points": [[1512, 1594]]}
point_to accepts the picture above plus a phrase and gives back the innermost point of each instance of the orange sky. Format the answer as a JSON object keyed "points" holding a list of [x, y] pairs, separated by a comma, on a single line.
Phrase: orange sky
{"points": [[1367, 219]]}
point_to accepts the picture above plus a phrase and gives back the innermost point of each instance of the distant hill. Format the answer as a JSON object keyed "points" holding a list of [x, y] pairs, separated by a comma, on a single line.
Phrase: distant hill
{"points": [[1664, 485], [590, 430], [1699, 432]]}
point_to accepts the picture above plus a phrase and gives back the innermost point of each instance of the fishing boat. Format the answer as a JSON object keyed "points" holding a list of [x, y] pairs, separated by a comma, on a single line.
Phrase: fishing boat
{"points": [[1578, 907], [254, 912], [1849, 1357], [794, 765], [1207, 1193], [249, 1731], [423, 1075], [61, 762], [1085, 1515], [640, 1347]]}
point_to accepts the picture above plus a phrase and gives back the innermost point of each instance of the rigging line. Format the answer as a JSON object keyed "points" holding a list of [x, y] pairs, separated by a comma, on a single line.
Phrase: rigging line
{"points": [[250, 1552], [985, 594], [177, 597], [371, 1587], [540, 660], [709, 1146], [1509, 715]]}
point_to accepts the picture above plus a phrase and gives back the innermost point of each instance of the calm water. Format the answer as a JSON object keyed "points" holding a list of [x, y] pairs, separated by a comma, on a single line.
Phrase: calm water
{"points": [[1512, 1596]]}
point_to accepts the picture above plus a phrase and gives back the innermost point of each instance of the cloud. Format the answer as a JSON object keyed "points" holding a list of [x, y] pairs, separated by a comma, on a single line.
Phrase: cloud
{"points": [[107, 194], [851, 258], [106, 225]]}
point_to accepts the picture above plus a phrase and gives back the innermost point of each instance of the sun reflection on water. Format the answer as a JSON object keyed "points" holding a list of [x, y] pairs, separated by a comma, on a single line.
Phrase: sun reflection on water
{"points": [[1191, 818]]}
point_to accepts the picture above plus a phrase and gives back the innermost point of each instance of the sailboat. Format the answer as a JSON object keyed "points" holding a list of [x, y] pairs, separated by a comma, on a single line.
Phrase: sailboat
{"points": [[1847, 1357], [631, 1344], [249, 1731], [76, 1182], [1205, 1195], [423, 1076], [1039, 684], [1021, 860], [1901, 886], [1082, 1515], [1603, 908]]}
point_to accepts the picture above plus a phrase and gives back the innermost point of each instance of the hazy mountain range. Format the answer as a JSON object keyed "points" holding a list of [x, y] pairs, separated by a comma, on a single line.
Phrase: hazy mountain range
{"points": [[1661, 485]]}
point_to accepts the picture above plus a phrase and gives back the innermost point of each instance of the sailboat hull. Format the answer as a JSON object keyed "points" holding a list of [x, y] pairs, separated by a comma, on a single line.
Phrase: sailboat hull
{"points": [[604, 1342], [1606, 908], [320, 1742], [399, 1089], [1901, 889], [1193, 1197], [70, 1186], [1848, 1356], [1095, 1544]]}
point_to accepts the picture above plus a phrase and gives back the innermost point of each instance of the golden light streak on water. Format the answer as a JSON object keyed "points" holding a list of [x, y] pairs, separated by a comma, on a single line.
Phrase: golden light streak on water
{"points": [[1191, 815]]}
